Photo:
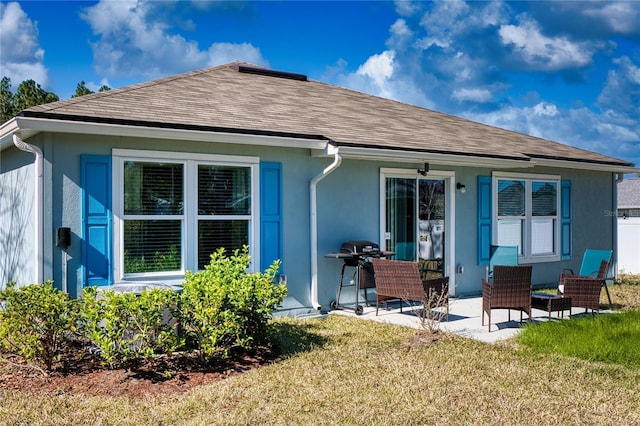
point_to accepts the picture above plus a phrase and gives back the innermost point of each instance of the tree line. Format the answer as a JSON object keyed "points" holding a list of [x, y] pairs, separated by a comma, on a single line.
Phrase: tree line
{"points": [[28, 94]]}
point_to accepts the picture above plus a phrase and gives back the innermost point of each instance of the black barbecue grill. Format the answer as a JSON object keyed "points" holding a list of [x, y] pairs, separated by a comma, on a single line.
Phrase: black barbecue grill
{"points": [[357, 254]]}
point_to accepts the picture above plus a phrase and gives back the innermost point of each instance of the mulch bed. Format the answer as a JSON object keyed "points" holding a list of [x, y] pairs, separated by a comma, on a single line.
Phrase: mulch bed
{"points": [[81, 373]]}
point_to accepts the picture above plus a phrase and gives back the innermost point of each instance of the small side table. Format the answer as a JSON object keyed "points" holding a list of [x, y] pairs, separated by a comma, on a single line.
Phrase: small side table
{"points": [[551, 303]]}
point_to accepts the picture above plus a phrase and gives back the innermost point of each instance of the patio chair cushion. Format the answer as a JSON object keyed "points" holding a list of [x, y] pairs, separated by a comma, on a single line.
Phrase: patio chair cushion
{"points": [[501, 255]]}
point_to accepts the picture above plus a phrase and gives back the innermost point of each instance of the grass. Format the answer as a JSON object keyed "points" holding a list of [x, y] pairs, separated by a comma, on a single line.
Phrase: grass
{"points": [[625, 296], [608, 338], [347, 371]]}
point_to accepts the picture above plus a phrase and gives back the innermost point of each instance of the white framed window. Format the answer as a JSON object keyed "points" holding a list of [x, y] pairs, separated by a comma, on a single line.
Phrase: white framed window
{"points": [[172, 210], [526, 213]]}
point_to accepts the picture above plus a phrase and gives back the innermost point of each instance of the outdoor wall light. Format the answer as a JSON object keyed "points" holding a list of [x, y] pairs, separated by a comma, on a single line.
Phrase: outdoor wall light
{"points": [[461, 187]]}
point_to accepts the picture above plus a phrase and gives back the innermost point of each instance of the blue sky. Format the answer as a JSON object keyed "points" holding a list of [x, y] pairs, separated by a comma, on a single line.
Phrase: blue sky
{"points": [[567, 71]]}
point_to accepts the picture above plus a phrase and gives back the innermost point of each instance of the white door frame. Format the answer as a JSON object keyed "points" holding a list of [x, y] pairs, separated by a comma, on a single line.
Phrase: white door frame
{"points": [[449, 178]]}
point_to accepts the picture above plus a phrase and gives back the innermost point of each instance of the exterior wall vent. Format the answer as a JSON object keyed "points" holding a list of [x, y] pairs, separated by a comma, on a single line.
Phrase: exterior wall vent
{"points": [[272, 73]]}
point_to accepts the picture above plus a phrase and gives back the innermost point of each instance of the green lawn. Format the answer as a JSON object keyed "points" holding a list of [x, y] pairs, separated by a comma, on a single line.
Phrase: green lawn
{"points": [[349, 371], [613, 338]]}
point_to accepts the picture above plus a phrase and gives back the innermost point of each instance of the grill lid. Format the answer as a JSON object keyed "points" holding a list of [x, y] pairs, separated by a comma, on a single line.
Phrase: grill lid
{"points": [[360, 247]]}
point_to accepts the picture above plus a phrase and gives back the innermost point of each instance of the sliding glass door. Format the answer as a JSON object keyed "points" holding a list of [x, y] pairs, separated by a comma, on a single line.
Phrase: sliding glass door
{"points": [[415, 221]]}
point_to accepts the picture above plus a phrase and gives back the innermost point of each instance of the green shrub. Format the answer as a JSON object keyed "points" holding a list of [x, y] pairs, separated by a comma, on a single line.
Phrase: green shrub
{"points": [[223, 306], [127, 327], [38, 322]]}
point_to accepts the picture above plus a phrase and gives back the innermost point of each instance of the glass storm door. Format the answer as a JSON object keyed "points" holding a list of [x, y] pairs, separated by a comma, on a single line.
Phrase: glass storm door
{"points": [[415, 222]]}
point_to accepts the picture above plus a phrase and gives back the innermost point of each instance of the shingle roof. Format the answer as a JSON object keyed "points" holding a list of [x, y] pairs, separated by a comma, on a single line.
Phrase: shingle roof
{"points": [[222, 97], [629, 193]]}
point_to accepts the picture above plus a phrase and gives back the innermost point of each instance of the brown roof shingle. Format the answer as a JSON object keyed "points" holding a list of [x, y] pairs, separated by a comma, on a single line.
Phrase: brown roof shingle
{"points": [[222, 97]]}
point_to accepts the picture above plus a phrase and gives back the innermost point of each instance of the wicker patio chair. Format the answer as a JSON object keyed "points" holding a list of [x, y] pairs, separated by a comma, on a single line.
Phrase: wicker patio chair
{"points": [[397, 279], [583, 291], [510, 289], [589, 269]]}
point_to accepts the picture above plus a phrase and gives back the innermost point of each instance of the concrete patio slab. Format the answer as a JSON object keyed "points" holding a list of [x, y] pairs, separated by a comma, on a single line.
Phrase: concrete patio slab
{"points": [[465, 318]]}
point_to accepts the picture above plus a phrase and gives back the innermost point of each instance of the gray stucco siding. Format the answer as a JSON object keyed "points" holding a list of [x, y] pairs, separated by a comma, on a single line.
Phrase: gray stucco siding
{"points": [[348, 202], [592, 196], [17, 217], [592, 222], [297, 165], [348, 209], [352, 193]]}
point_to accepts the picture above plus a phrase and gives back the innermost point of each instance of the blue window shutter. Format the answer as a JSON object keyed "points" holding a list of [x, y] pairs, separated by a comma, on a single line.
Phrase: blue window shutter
{"points": [[96, 220], [270, 214], [484, 220], [565, 219]]}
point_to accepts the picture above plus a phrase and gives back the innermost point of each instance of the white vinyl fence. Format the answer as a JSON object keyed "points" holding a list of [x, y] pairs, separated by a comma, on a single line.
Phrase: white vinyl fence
{"points": [[629, 245]]}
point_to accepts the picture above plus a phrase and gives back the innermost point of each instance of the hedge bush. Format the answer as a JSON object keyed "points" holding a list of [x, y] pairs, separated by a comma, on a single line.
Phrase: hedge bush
{"points": [[223, 306], [219, 308], [129, 327], [38, 322]]}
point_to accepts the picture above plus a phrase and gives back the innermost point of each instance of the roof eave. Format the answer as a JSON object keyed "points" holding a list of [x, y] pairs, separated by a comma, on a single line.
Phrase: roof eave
{"points": [[434, 158], [7, 130], [29, 126], [587, 165], [33, 125]]}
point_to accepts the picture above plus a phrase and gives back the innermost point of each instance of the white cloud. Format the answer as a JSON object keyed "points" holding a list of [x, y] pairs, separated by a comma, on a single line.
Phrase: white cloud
{"points": [[473, 95], [221, 53], [401, 35], [426, 42], [377, 76], [378, 67], [445, 17], [622, 89], [406, 8], [442, 23], [622, 17], [22, 57], [454, 61], [493, 14], [542, 52], [579, 127], [448, 21], [94, 87], [545, 109], [133, 39]]}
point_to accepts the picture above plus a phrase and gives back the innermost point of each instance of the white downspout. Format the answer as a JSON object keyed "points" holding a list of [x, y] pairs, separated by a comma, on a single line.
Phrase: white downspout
{"points": [[39, 175], [337, 159]]}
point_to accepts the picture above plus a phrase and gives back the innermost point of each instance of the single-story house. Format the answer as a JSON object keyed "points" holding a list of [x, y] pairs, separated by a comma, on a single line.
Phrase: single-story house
{"points": [[629, 226], [143, 182]]}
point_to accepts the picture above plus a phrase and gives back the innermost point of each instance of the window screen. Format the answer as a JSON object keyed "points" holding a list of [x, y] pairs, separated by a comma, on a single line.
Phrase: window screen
{"points": [[152, 239]]}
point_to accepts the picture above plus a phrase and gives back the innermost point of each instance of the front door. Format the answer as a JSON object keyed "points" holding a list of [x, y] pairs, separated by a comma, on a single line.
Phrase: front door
{"points": [[416, 221]]}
